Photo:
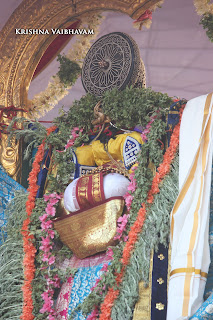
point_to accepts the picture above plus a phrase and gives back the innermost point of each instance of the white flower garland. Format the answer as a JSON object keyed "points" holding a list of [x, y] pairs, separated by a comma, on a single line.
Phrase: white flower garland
{"points": [[203, 6]]}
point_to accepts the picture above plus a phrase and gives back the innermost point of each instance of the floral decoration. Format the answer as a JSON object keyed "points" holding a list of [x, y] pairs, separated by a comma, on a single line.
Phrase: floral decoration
{"points": [[203, 6], [205, 9], [52, 282], [28, 239], [162, 170]]}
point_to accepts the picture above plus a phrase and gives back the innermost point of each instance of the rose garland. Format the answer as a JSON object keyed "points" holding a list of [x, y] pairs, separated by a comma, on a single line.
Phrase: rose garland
{"points": [[28, 239], [161, 172]]}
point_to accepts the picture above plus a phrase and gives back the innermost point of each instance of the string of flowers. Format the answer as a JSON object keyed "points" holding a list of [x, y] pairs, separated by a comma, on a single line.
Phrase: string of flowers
{"points": [[205, 9], [203, 6], [28, 239], [75, 133], [161, 172], [56, 90], [47, 257], [52, 280]]}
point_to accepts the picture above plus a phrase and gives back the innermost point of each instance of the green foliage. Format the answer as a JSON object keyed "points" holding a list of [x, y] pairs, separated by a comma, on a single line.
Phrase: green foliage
{"points": [[155, 231], [207, 23], [134, 106], [59, 250], [11, 257], [69, 70], [32, 133], [127, 109]]}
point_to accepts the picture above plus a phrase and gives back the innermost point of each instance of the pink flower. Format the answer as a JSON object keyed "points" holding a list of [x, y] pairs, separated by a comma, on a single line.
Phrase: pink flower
{"points": [[51, 260], [76, 129], [44, 217], [132, 186], [46, 197], [53, 201], [48, 302], [60, 151], [144, 137], [128, 200], [45, 241], [46, 225], [70, 143], [122, 221], [105, 267], [94, 314], [50, 210], [51, 233], [46, 244], [96, 283], [110, 253], [56, 281], [45, 257]]}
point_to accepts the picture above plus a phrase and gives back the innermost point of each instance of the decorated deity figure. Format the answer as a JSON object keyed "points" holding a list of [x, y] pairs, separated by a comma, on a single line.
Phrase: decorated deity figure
{"points": [[104, 181], [103, 178]]}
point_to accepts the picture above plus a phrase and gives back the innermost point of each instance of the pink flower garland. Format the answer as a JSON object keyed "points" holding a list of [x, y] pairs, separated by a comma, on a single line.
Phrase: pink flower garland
{"points": [[75, 132], [47, 257], [148, 128]]}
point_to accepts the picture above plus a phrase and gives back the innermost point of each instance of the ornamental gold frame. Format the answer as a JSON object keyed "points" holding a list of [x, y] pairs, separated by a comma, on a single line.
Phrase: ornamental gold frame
{"points": [[20, 54]]}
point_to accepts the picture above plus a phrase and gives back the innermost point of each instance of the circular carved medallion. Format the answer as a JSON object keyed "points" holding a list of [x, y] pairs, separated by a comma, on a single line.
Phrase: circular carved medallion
{"points": [[113, 61]]}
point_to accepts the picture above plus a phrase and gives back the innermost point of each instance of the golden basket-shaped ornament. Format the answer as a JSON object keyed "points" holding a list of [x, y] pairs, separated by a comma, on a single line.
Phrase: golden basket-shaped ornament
{"points": [[87, 232]]}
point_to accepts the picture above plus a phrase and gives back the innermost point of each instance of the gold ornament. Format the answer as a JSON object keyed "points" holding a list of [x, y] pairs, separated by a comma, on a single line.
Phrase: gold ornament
{"points": [[161, 256], [160, 306], [160, 281]]}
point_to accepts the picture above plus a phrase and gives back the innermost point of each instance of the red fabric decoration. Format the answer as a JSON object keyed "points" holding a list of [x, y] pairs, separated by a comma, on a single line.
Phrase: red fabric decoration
{"points": [[146, 15], [54, 48]]}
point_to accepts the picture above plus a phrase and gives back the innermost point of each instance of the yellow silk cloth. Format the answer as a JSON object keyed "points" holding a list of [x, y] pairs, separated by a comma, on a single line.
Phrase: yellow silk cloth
{"points": [[94, 154]]}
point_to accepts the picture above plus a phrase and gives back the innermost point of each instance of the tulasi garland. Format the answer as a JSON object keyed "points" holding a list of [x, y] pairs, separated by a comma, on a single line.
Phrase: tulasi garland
{"points": [[128, 108], [28, 246], [143, 177], [132, 106], [161, 172]]}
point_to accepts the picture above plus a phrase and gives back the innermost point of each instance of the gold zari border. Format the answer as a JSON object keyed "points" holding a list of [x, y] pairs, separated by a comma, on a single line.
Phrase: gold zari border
{"points": [[189, 270]]}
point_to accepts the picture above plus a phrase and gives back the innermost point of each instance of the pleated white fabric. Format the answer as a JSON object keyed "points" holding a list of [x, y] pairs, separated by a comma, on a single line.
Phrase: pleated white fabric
{"points": [[190, 256]]}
